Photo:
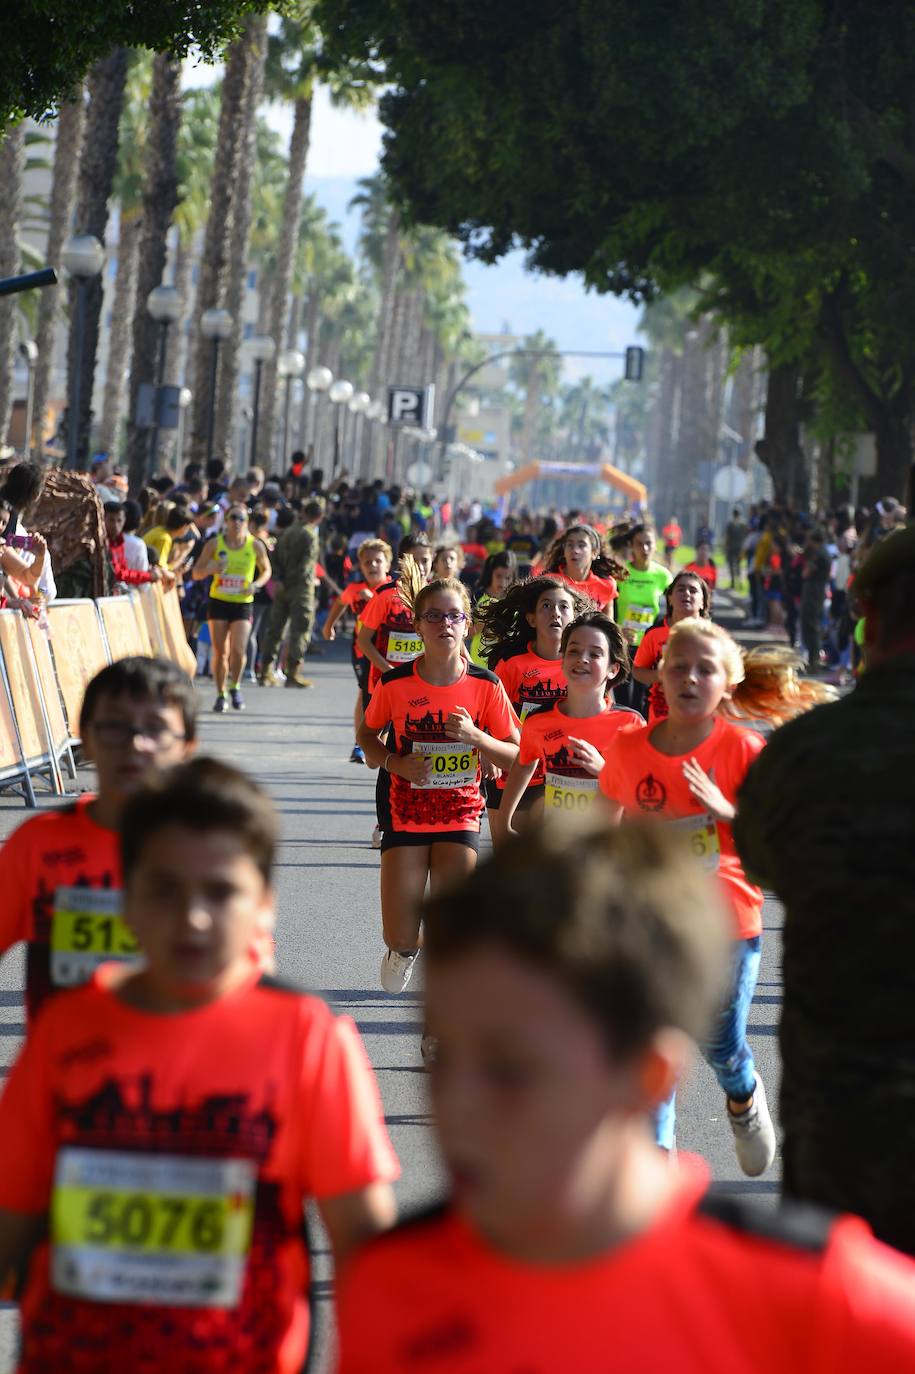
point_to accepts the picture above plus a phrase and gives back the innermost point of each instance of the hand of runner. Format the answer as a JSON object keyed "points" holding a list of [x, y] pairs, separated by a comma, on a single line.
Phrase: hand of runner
{"points": [[587, 756], [329, 631], [707, 793], [489, 771], [413, 768], [460, 726]]}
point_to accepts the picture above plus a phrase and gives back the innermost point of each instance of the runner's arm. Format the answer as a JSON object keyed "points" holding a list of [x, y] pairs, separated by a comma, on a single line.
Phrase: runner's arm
{"points": [[264, 569], [646, 676], [502, 752], [354, 1218], [333, 615], [410, 767], [206, 564], [20, 1232], [516, 785], [366, 643]]}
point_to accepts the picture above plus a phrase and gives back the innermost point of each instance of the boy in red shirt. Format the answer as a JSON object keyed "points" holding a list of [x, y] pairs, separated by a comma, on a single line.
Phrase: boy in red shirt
{"points": [[563, 981], [60, 872], [165, 1125]]}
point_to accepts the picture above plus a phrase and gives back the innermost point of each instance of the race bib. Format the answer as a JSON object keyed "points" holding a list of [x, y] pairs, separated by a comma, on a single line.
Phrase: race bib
{"points": [[702, 833], [403, 648], [234, 584], [162, 1230], [639, 618], [453, 765], [86, 931], [569, 794]]}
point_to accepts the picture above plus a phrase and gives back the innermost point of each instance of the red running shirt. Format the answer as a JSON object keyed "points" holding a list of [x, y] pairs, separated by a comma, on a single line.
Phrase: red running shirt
{"points": [[533, 684], [545, 741], [395, 635], [173, 1156], [707, 571], [651, 785], [417, 712], [60, 875], [649, 655], [433, 1297], [357, 595], [601, 590]]}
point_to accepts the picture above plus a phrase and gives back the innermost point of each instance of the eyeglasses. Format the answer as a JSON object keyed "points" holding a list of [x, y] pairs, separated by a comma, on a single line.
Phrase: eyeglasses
{"points": [[437, 617], [236, 515], [116, 733]]}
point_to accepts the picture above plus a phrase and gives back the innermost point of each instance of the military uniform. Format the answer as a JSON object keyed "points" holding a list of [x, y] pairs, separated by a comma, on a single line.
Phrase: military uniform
{"points": [[293, 561]]}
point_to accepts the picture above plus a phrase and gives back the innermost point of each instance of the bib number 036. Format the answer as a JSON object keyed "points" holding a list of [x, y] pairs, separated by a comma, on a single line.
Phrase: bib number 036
{"points": [[452, 765]]}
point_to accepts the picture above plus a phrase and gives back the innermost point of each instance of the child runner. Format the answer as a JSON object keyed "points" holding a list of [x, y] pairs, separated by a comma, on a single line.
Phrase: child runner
{"points": [[529, 669], [499, 572], [567, 743], [577, 557], [704, 564], [164, 1126], [448, 561], [440, 715], [642, 594], [239, 565], [688, 598], [60, 872], [374, 556], [687, 771], [564, 980]]}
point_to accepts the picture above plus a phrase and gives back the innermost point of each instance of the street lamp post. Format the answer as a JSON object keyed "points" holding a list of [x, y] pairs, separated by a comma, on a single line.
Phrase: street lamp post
{"points": [[341, 393], [358, 407], [165, 305], [318, 381], [83, 257], [263, 349], [289, 365], [28, 352], [215, 325]]}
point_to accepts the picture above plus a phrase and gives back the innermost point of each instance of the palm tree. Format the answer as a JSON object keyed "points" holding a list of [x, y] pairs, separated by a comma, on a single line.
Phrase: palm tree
{"points": [[536, 373], [97, 167], [128, 191], [584, 416], [212, 283], [197, 139], [71, 118], [12, 161]]}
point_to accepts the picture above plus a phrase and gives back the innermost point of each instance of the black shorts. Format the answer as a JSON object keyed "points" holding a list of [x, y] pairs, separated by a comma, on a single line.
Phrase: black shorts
{"points": [[361, 669], [413, 839], [493, 794], [230, 611]]}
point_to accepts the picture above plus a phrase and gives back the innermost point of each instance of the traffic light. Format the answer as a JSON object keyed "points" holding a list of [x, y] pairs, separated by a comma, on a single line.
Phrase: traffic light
{"points": [[635, 363]]}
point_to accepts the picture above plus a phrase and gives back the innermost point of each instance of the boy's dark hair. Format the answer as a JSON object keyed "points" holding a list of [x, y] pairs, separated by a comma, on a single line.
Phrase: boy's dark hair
{"points": [[215, 470], [203, 795], [112, 507], [23, 485], [623, 918], [285, 517], [313, 508], [616, 644], [178, 518], [133, 514], [143, 679]]}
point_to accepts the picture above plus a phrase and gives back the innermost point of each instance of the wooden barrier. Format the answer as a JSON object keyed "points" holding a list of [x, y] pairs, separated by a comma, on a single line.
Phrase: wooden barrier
{"points": [[79, 650], [121, 626], [174, 638]]}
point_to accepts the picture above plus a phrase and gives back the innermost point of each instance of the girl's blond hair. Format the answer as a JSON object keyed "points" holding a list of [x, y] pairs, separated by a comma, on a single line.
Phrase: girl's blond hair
{"points": [[415, 591], [765, 683]]}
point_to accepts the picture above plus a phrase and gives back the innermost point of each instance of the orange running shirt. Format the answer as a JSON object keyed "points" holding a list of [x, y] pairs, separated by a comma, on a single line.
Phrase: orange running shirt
{"points": [[649, 655], [60, 875], [545, 741], [356, 595], [433, 1297], [173, 1156], [417, 711], [707, 571], [601, 590], [395, 635], [651, 785], [533, 684]]}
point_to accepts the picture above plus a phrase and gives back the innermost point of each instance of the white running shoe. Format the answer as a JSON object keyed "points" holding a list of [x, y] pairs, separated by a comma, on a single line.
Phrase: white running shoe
{"points": [[377, 836], [754, 1134], [397, 970]]}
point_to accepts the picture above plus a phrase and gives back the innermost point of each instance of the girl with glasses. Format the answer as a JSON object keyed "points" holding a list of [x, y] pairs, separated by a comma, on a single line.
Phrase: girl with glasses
{"points": [[239, 566], [429, 725]]}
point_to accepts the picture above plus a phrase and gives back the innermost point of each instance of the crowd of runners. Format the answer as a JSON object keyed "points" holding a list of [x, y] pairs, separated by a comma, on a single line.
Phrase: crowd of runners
{"points": [[562, 684]]}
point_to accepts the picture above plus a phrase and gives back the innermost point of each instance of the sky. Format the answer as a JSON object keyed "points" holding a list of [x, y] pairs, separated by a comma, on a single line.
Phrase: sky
{"points": [[346, 145]]}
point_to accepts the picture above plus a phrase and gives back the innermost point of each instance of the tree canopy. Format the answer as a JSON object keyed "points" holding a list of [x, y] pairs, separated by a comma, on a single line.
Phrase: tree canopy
{"points": [[49, 45], [765, 148]]}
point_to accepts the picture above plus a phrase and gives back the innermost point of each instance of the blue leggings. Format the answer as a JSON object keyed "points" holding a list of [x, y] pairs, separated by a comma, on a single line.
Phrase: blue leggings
{"points": [[726, 1051]]}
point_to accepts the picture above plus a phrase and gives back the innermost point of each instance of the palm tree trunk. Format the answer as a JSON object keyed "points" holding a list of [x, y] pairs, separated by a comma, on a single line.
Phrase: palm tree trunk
{"points": [[71, 118], [160, 196], [97, 167], [255, 40], [211, 283], [119, 348], [376, 437], [285, 261], [12, 161]]}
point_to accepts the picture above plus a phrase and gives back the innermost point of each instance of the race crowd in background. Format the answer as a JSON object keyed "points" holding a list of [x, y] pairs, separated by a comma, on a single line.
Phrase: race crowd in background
{"points": [[641, 773]]}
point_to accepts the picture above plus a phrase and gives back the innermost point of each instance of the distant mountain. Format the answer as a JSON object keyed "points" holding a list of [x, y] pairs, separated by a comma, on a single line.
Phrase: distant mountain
{"points": [[508, 295]]}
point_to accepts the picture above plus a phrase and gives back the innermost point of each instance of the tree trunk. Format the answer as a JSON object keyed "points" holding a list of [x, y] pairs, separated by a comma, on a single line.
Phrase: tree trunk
{"points": [[211, 280], [97, 166], [12, 161], [375, 441], [780, 447], [71, 118], [237, 264], [120, 345], [160, 196], [177, 352], [285, 261], [893, 433]]}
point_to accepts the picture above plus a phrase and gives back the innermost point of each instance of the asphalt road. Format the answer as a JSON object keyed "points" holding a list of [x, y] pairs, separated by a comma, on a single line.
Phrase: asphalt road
{"points": [[297, 744]]}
